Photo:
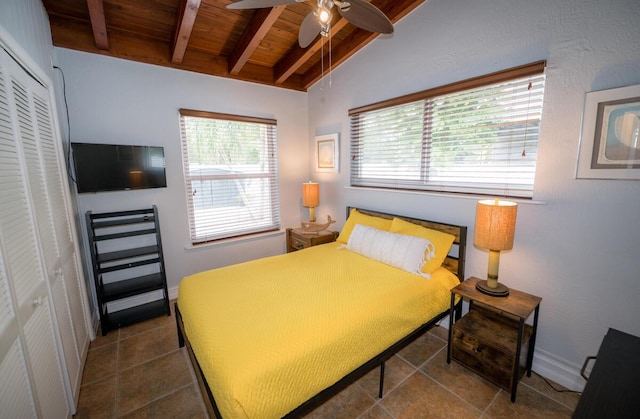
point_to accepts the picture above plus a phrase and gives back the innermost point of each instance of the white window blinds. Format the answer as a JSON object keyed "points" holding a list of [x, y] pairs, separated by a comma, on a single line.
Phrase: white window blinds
{"points": [[478, 136], [231, 177]]}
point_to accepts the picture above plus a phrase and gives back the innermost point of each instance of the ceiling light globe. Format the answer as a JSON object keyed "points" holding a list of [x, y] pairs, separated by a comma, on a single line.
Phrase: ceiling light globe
{"points": [[324, 15]]}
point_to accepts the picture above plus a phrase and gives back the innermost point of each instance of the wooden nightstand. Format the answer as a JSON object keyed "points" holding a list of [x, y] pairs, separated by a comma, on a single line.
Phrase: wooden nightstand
{"points": [[297, 240], [488, 339]]}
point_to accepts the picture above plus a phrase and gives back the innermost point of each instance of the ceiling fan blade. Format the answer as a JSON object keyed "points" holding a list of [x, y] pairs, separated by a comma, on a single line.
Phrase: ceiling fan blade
{"points": [[309, 30], [258, 4], [366, 16]]}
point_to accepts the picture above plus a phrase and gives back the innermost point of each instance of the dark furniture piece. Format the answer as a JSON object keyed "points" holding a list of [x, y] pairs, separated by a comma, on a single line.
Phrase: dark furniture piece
{"points": [[126, 254], [297, 240], [489, 338], [613, 387], [455, 262]]}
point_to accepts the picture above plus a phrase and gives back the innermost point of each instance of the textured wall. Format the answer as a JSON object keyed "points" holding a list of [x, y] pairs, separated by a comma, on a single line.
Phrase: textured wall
{"points": [[27, 22]]}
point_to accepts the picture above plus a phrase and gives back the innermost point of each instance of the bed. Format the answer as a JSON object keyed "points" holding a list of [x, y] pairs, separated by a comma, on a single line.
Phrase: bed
{"points": [[278, 336]]}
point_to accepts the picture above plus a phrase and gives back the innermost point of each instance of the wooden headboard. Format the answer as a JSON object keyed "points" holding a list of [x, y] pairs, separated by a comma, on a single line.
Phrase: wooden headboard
{"points": [[455, 259]]}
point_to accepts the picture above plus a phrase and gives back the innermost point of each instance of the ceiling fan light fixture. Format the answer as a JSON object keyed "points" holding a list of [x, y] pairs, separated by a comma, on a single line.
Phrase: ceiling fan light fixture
{"points": [[324, 15]]}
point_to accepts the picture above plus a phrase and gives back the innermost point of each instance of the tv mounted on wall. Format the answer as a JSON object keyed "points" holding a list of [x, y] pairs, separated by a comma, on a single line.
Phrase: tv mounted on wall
{"points": [[111, 167]]}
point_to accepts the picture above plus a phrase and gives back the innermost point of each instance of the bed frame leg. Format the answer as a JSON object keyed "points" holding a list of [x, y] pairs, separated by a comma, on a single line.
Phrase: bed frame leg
{"points": [[180, 337], [381, 379], [458, 310]]}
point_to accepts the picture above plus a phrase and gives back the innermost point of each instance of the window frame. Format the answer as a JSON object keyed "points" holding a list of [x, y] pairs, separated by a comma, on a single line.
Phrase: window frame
{"points": [[535, 69], [271, 175]]}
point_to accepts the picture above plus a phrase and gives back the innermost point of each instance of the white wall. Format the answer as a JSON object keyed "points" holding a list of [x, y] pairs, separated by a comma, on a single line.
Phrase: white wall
{"points": [[121, 102], [28, 24], [579, 250]]}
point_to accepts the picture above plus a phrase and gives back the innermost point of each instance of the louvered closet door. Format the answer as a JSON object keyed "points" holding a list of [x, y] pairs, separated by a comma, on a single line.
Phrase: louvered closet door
{"points": [[32, 379], [16, 397], [48, 198]]}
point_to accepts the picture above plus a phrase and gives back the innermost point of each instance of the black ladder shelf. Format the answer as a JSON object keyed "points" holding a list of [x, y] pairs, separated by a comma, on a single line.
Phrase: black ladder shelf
{"points": [[126, 254]]}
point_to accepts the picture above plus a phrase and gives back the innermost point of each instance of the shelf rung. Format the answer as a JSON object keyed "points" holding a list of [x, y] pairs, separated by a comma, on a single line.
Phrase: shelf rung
{"points": [[128, 265], [125, 234], [123, 221], [127, 254], [132, 286]]}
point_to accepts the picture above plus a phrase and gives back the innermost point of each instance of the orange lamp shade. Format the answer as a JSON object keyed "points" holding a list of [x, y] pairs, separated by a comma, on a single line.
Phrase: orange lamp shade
{"points": [[495, 224], [310, 194]]}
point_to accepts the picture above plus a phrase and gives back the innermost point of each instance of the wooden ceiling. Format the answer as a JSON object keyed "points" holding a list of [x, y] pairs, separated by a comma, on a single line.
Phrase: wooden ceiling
{"points": [[259, 45]]}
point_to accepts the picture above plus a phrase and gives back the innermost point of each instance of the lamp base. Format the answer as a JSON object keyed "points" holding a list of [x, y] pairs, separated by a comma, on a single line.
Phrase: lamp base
{"points": [[499, 291]]}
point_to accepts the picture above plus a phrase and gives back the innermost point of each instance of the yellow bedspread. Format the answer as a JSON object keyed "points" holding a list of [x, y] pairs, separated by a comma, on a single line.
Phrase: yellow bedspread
{"points": [[271, 333]]}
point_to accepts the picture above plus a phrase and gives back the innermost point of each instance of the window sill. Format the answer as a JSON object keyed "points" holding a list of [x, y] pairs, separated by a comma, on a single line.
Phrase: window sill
{"points": [[233, 241], [445, 195]]}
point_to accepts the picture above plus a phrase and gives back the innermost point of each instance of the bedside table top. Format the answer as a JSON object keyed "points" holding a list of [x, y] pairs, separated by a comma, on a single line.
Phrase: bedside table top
{"points": [[517, 303]]}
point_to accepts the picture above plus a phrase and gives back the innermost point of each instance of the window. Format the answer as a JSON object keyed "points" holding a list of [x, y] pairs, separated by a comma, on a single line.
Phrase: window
{"points": [[230, 171], [478, 136]]}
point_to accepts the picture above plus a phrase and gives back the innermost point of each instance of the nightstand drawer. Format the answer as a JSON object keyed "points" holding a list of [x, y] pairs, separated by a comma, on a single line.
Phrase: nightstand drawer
{"points": [[298, 244], [298, 239], [485, 342], [492, 364]]}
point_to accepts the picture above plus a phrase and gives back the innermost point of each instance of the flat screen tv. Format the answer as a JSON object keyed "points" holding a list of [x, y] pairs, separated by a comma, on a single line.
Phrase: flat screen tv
{"points": [[110, 167]]}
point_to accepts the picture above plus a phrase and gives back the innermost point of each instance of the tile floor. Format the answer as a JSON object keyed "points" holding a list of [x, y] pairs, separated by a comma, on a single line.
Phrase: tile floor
{"points": [[139, 372]]}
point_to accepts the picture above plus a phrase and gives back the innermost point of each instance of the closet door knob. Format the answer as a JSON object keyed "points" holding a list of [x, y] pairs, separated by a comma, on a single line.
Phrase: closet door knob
{"points": [[37, 302]]}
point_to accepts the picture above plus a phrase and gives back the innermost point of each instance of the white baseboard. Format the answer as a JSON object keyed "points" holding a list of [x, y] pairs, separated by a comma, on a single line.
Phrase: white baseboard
{"points": [[173, 293], [559, 370], [95, 321]]}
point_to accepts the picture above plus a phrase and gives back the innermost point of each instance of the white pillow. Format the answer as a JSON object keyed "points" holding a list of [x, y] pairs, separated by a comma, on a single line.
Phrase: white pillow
{"points": [[401, 251]]}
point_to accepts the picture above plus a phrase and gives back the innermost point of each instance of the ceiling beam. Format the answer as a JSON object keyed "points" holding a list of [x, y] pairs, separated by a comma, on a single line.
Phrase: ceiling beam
{"points": [[260, 24], [98, 24], [296, 58], [182, 32], [396, 10]]}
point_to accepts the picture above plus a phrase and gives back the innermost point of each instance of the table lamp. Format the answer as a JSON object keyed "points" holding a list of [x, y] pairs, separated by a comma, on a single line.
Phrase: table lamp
{"points": [[494, 230], [311, 198]]}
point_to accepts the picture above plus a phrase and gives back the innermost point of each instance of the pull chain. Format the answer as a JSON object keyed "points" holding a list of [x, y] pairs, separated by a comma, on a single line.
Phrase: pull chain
{"points": [[526, 125], [322, 62], [330, 52]]}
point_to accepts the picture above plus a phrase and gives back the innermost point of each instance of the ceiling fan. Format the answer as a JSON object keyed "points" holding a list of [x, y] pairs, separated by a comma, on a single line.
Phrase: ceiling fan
{"points": [[360, 13]]}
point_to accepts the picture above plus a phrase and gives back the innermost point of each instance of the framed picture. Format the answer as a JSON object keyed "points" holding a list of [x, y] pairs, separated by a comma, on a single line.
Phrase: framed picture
{"points": [[610, 138], [327, 153]]}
